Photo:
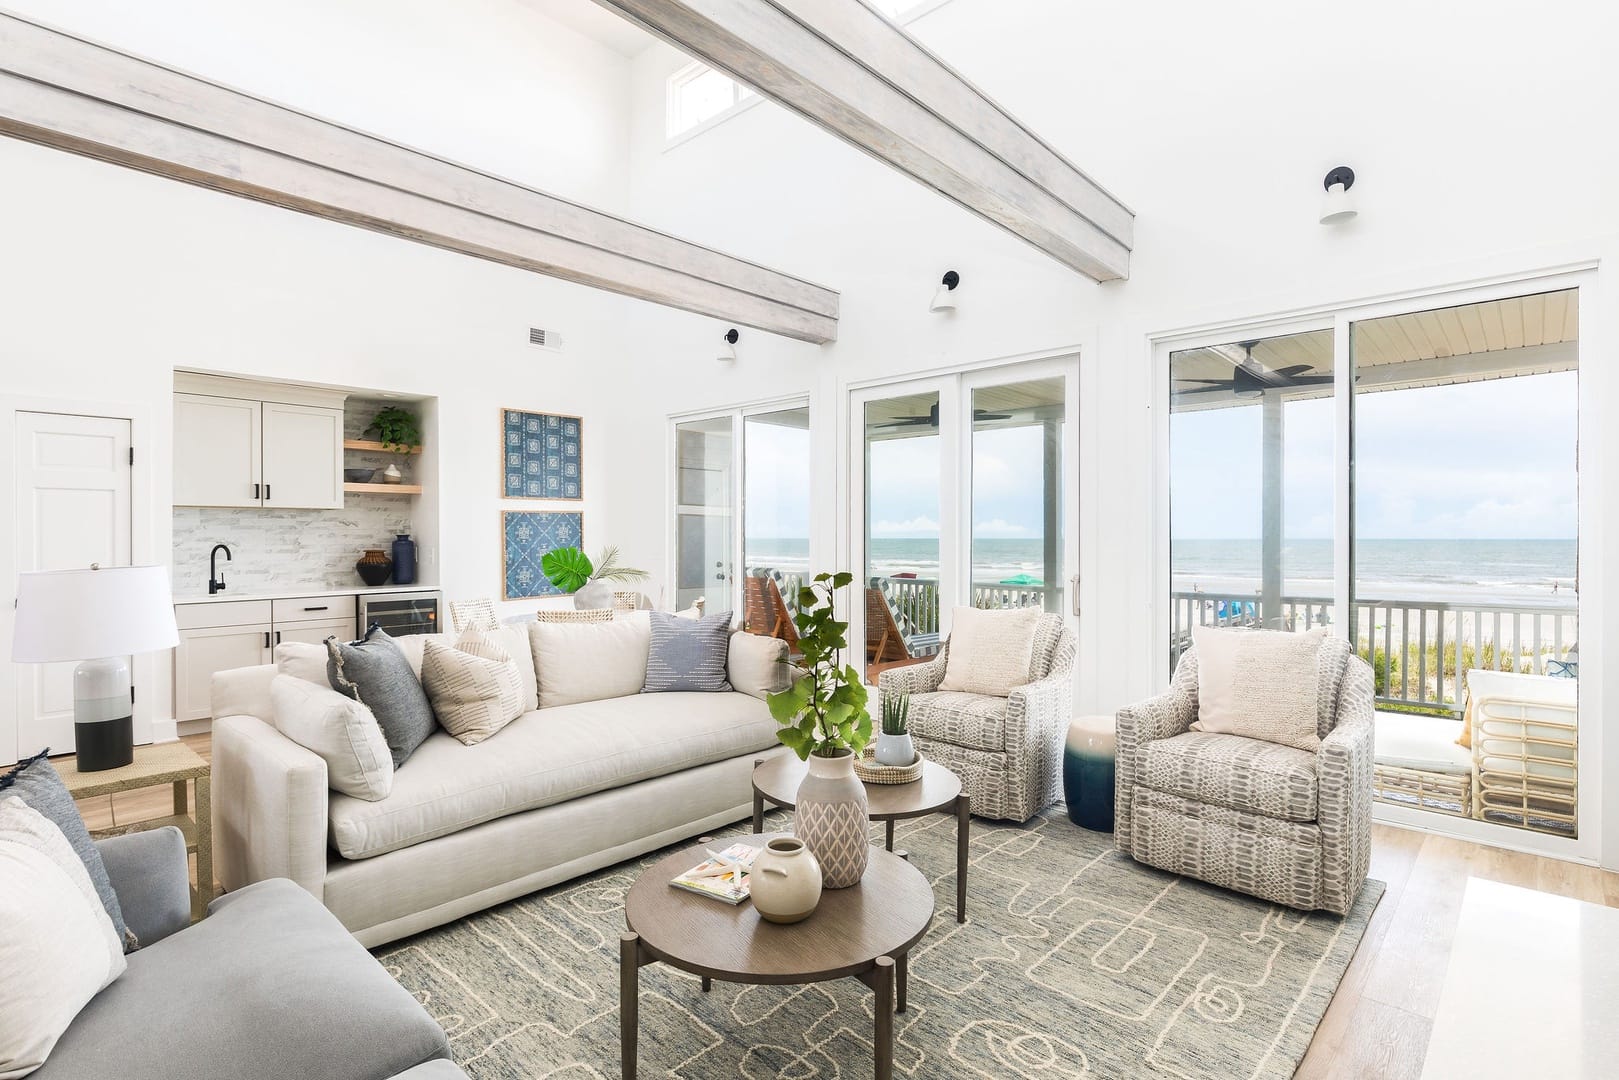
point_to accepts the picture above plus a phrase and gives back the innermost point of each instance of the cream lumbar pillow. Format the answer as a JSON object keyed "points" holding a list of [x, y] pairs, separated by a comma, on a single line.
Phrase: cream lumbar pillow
{"points": [[474, 687], [990, 651], [579, 661], [341, 731], [1260, 684], [58, 948]]}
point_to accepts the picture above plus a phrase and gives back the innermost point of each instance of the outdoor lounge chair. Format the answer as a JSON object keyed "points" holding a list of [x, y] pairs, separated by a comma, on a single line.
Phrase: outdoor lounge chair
{"points": [[886, 645], [764, 611]]}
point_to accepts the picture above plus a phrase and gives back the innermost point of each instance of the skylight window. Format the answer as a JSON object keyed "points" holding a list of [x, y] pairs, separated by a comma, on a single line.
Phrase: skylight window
{"points": [[698, 94]]}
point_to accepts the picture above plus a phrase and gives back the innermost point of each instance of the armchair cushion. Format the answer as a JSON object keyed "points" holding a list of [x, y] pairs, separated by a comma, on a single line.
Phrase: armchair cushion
{"points": [[1231, 771], [976, 721]]}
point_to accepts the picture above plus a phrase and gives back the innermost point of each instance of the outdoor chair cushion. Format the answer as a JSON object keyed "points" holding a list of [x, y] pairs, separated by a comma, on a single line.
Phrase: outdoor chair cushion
{"points": [[1231, 771], [549, 756], [270, 985], [976, 721]]}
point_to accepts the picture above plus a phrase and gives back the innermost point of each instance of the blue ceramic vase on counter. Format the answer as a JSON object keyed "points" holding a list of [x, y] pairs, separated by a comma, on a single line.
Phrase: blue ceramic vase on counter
{"points": [[404, 560]]}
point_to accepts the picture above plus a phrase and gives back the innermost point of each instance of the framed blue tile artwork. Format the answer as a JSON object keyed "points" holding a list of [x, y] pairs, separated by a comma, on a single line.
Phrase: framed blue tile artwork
{"points": [[528, 535], [542, 456]]}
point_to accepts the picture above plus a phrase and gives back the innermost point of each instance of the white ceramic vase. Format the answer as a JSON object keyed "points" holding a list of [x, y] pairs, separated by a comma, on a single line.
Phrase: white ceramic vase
{"points": [[895, 749], [785, 881], [831, 819], [594, 595]]}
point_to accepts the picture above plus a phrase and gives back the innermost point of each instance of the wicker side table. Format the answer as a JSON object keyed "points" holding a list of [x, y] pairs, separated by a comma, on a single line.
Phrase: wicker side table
{"points": [[162, 763]]}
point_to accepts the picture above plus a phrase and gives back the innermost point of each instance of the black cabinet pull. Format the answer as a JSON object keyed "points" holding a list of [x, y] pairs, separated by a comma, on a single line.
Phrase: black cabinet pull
{"points": [[267, 639], [266, 492], [323, 607], [278, 637], [256, 491]]}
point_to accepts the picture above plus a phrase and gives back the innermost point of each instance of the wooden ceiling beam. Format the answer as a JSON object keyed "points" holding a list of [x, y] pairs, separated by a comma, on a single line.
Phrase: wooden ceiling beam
{"points": [[846, 67], [60, 91]]}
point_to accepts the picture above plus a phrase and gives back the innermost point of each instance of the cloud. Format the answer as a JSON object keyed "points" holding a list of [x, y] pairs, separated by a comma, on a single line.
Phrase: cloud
{"points": [[1000, 529], [920, 525]]}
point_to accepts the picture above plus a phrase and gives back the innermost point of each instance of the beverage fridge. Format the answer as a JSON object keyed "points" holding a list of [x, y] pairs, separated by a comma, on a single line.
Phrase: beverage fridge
{"points": [[401, 613]]}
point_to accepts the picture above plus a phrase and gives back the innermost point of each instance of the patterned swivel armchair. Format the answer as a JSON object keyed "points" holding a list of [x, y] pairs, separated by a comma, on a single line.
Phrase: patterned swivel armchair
{"points": [[1283, 824], [1007, 751]]}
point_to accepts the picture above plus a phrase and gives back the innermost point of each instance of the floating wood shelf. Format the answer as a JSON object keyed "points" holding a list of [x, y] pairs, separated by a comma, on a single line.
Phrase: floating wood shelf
{"points": [[376, 447], [382, 489]]}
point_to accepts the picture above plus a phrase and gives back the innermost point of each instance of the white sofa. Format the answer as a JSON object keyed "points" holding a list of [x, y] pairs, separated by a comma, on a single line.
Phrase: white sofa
{"points": [[559, 792]]}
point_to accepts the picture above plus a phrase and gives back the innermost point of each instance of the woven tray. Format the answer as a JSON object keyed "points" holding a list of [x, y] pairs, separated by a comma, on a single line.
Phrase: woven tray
{"points": [[866, 767]]}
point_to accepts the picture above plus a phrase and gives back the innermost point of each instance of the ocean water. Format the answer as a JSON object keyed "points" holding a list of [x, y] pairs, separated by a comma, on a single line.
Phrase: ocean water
{"points": [[1393, 569]]}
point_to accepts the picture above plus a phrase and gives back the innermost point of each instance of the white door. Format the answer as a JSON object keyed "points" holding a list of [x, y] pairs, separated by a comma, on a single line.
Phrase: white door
{"points": [[73, 509], [218, 451], [303, 456]]}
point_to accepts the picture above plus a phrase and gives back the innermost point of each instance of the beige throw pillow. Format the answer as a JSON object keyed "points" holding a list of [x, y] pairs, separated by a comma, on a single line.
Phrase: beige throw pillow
{"points": [[1260, 684], [474, 687], [590, 661], [302, 660], [58, 948], [341, 731], [990, 651]]}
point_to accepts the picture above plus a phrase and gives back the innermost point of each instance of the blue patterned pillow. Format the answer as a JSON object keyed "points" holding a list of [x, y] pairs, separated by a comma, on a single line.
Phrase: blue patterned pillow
{"points": [[688, 655]]}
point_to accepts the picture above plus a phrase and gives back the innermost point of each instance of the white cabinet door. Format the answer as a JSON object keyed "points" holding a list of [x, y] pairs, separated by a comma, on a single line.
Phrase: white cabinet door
{"points": [[303, 456], [314, 633], [218, 451], [72, 509], [207, 650]]}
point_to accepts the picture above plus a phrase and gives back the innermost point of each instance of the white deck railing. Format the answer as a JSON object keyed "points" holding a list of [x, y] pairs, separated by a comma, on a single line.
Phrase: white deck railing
{"points": [[1416, 647]]}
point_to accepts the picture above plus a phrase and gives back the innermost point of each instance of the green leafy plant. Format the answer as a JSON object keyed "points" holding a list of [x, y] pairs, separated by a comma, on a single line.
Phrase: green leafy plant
{"points": [[897, 714], [824, 711], [607, 568], [396, 428], [568, 568]]}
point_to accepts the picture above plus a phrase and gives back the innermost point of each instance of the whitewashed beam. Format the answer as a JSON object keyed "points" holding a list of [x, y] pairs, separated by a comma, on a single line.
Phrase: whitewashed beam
{"points": [[849, 69], [67, 93]]}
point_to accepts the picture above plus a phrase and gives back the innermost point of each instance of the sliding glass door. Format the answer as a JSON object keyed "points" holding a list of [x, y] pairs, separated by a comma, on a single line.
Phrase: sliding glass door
{"points": [[705, 512], [964, 498]]}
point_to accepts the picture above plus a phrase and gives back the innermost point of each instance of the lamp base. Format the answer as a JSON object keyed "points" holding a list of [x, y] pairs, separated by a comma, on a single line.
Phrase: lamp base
{"points": [[104, 744], [103, 720]]}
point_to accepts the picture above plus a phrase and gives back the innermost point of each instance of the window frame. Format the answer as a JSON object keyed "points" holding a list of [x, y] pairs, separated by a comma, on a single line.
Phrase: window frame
{"points": [[743, 97]]}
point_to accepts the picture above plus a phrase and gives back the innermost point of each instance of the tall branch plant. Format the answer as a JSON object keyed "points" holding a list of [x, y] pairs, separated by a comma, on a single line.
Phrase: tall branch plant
{"points": [[824, 711]]}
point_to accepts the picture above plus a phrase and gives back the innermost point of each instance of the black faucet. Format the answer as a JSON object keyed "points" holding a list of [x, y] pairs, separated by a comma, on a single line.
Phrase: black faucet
{"points": [[216, 586]]}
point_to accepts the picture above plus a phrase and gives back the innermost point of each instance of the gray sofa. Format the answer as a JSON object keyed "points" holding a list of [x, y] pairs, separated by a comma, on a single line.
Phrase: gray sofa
{"points": [[269, 985]]}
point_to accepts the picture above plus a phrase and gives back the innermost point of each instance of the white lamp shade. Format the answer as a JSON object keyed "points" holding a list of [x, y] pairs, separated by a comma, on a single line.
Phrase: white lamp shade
{"points": [[944, 299], [1337, 205], [90, 614]]}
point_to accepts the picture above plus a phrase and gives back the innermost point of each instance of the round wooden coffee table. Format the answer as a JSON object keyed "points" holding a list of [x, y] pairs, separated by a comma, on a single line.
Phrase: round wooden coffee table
{"points": [[938, 791], [866, 931]]}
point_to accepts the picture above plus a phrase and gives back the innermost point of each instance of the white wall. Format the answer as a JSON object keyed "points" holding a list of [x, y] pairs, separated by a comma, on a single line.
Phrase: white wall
{"points": [[1474, 138]]}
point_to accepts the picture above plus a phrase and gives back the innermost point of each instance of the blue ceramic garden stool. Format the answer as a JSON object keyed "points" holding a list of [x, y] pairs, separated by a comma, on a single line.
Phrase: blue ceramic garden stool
{"points": [[1087, 772]]}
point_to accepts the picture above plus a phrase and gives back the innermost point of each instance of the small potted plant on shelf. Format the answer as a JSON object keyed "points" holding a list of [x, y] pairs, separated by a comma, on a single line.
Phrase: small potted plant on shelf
{"points": [[894, 746], [397, 429], [590, 583], [824, 721]]}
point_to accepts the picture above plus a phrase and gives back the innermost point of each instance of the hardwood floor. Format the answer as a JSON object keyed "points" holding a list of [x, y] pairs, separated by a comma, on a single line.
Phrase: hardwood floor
{"points": [[1378, 1025]]}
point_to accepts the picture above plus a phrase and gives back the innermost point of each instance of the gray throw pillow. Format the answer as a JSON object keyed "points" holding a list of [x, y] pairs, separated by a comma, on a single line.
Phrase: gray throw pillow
{"points": [[36, 782], [688, 654], [375, 673]]}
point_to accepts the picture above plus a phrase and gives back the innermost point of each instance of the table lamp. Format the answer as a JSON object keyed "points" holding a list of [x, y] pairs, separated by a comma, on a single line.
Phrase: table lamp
{"points": [[99, 617]]}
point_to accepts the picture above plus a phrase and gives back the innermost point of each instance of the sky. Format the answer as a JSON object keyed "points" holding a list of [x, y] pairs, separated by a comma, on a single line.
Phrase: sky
{"points": [[1484, 460]]}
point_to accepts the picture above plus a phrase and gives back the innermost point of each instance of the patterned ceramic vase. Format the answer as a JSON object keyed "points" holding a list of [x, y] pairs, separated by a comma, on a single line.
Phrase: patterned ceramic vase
{"points": [[374, 567], [785, 881], [831, 819]]}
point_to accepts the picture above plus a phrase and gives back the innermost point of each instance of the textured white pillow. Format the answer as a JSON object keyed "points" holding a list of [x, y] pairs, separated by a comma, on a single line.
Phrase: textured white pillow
{"points": [[474, 687], [512, 639], [1260, 684], [990, 651], [591, 661], [58, 948], [302, 660], [340, 730]]}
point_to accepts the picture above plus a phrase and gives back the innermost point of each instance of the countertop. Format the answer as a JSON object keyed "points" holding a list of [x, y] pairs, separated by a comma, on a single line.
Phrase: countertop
{"points": [[311, 593]]}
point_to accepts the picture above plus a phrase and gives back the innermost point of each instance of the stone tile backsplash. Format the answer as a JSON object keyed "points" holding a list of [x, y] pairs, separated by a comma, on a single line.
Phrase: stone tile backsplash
{"points": [[284, 549]]}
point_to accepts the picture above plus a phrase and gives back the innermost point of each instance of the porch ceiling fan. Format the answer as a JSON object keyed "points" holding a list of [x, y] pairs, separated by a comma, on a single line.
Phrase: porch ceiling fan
{"points": [[1251, 378], [932, 418]]}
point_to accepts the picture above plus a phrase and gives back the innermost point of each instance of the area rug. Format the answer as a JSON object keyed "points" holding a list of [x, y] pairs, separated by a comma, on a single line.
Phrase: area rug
{"points": [[1074, 962]]}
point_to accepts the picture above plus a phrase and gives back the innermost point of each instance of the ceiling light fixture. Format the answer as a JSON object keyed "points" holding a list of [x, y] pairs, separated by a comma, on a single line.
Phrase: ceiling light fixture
{"points": [[945, 298], [728, 349], [1338, 206]]}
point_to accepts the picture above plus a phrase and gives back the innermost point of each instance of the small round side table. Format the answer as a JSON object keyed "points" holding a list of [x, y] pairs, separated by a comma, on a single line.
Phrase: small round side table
{"points": [[1087, 772]]}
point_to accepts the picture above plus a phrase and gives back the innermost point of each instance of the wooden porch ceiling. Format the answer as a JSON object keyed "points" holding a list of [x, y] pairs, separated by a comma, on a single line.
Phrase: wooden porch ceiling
{"points": [[63, 92], [847, 68]]}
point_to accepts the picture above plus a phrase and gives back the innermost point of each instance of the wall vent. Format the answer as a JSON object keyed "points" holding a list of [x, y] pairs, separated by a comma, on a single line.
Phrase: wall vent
{"points": [[545, 339]]}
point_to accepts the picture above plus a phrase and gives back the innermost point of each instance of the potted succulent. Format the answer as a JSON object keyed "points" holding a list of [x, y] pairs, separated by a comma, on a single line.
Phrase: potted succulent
{"points": [[894, 746], [591, 584], [824, 721]]}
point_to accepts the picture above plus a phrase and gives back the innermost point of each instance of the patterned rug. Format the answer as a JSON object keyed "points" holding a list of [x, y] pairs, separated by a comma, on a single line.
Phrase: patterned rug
{"points": [[1074, 962]]}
